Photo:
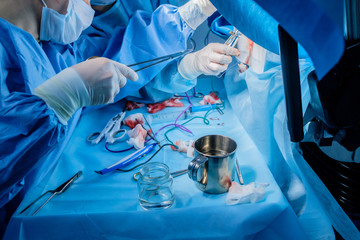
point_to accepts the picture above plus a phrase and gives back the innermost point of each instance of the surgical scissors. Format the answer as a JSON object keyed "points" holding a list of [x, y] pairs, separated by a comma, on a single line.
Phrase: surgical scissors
{"points": [[62, 188], [111, 130]]}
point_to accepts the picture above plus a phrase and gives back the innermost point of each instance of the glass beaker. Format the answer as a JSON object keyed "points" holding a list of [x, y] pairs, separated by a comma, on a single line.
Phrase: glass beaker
{"points": [[155, 186]]}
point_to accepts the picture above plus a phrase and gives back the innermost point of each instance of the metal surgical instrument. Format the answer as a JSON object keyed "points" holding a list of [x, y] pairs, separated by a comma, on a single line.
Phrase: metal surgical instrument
{"points": [[237, 167], [158, 60], [155, 61], [62, 188], [111, 130], [234, 37], [173, 174], [179, 173], [231, 42]]}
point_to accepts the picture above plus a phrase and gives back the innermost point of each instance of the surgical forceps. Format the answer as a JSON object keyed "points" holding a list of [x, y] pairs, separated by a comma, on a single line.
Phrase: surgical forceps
{"points": [[231, 42], [173, 174], [151, 62], [62, 188], [234, 37], [111, 130], [155, 61], [158, 60]]}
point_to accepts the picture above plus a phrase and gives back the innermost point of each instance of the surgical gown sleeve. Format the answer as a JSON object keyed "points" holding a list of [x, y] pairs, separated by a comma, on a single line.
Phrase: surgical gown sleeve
{"points": [[29, 129]]}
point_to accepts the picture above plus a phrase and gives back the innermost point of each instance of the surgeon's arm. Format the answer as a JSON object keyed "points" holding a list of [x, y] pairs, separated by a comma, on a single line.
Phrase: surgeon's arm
{"points": [[33, 126], [151, 35], [93, 82], [165, 31], [30, 130], [181, 75]]}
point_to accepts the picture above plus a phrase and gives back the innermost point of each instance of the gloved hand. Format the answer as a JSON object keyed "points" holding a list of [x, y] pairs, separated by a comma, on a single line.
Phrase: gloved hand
{"points": [[196, 12], [211, 60], [92, 82]]}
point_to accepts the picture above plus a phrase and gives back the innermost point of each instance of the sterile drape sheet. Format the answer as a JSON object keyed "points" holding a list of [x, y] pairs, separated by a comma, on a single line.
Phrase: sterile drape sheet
{"points": [[107, 207]]}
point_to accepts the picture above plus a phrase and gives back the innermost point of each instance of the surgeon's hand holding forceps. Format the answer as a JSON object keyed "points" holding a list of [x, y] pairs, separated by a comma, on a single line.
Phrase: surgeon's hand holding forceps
{"points": [[110, 132], [62, 188]]}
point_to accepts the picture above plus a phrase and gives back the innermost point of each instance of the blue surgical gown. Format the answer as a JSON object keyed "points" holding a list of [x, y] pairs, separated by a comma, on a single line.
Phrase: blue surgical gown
{"points": [[32, 138]]}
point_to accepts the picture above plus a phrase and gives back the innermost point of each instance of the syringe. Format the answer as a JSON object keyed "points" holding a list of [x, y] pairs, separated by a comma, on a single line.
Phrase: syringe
{"points": [[172, 116]]}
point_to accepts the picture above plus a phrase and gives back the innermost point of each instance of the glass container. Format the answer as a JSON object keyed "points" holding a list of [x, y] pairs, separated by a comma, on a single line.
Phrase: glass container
{"points": [[155, 186]]}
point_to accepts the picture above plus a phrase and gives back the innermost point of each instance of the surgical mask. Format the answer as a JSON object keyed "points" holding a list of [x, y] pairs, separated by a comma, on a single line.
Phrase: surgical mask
{"points": [[65, 29]]}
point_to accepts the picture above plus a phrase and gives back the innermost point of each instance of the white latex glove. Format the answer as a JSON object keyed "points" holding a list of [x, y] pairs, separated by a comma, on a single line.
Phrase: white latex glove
{"points": [[92, 82], [196, 12], [211, 60]]}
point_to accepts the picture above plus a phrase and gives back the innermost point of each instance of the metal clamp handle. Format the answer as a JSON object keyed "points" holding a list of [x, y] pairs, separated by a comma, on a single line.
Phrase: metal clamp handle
{"points": [[95, 138], [112, 138]]}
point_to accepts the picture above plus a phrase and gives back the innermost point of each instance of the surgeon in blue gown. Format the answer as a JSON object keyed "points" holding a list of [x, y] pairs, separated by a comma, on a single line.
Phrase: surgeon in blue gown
{"points": [[45, 79], [176, 76]]}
